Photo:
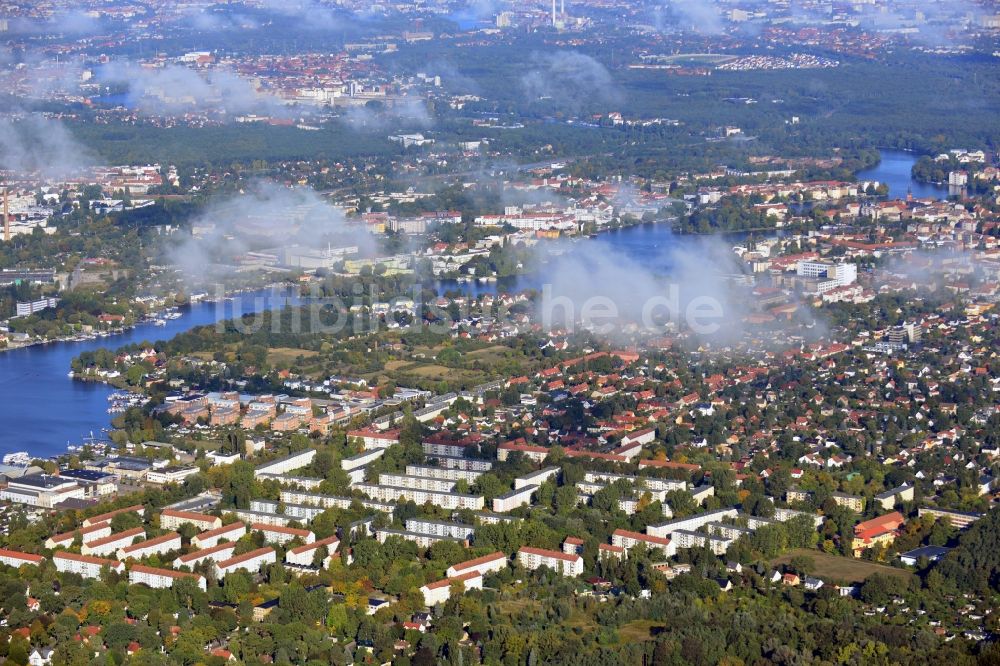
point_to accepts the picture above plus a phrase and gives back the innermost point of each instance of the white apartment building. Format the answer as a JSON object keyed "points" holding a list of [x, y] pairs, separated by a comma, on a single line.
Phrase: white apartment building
{"points": [[458, 462], [782, 515], [640, 482], [304, 555], [216, 553], [252, 562], [263, 517], [691, 523], [443, 500], [171, 520], [361, 460], [483, 565], [440, 528], [165, 475], [513, 499], [332, 501], [92, 533], [14, 558], [231, 532], [628, 540], [449, 449], [536, 478], [282, 535], [110, 545], [161, 545], [439, 592], [302, 513], [84, 565], [416, 482], [535, 558], [161, 578], [306, 482], [287, 464], [422, 540], [106, 517], [449, 473], [690, 539]]}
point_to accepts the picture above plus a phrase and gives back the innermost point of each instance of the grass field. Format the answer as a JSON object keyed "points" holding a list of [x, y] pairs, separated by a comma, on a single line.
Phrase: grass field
{"points": [[638, 630], [834, 568], [285, 355]]}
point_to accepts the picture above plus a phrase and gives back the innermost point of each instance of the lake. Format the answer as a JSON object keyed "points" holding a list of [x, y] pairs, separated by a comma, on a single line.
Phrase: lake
{"points": [[895, 170]]}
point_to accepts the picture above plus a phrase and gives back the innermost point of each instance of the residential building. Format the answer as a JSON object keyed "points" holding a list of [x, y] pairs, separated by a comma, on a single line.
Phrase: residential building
{"points": [[484, 565], [216, 553], [852, 502], [513, 499], [445, 500], [440, 528], [422, 540], [288, 463], [84, 565], [536, 478], [160, 545], [231, 532], [251, 561], [14, 558], [890, 498], [91, 533], [138, 509], [161, 578], [535, 558], [440, 591], [172, 520], [628, 540], [305, 555], [282, 535], [111, 544]]}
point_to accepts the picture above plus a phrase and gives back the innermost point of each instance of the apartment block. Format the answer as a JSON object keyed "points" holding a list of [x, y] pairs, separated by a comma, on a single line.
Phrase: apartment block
{"points": [[287, 464], [84, 565], [483, 565], [513, 499], [14, 558], [439, 592], [535, 558], [160, 545], [627, 540], [442, 499], [416, 482], [231, 532], [172, 520], [422, 540], [161, 578], [111, 544], [282, 535], [251, 561], [440, 528], [216, 553], [305, 555]]}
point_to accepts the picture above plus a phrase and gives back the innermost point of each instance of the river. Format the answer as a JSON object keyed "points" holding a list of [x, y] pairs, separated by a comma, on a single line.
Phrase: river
{"points": [[42, 409]]}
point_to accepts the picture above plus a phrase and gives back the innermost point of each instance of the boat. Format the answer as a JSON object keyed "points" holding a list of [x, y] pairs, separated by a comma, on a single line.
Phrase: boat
{"points": [[159, 322], [172, 315], [71, 374], [17, 458]]}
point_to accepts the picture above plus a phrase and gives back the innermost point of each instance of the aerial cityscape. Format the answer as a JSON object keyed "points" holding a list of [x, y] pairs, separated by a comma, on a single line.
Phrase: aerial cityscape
{"points": [[500, 332]]}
